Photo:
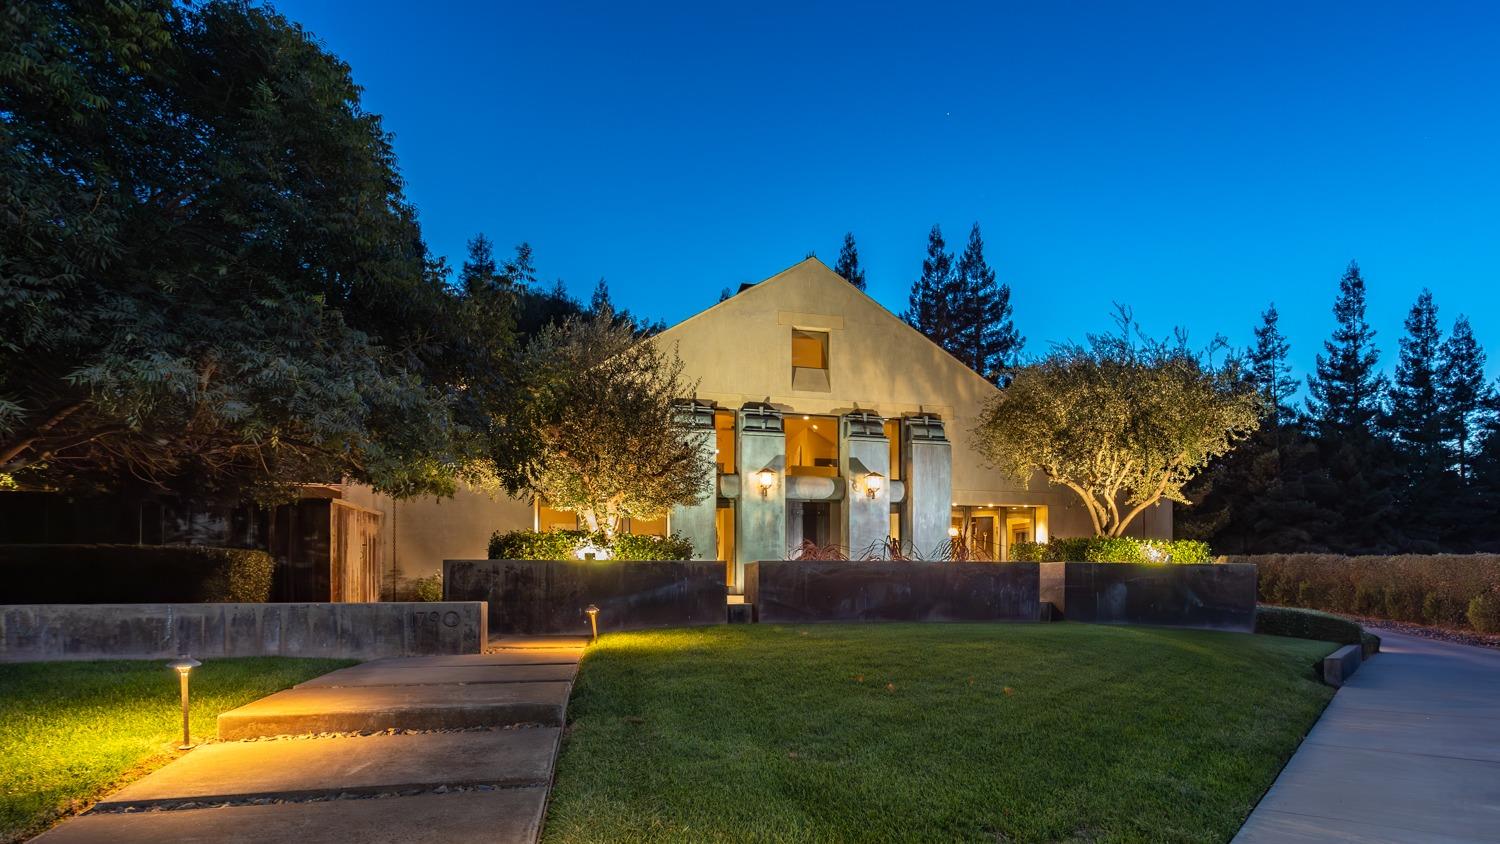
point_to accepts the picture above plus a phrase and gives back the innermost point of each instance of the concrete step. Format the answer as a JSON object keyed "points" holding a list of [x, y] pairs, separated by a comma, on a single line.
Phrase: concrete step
{"points": [[517, 642], [376, 674], [302, 768], [549, 656], [502, 816], [302, 710]]}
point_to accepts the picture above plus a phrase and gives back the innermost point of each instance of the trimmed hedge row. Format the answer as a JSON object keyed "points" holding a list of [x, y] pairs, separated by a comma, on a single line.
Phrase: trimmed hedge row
{"points": [[565, 544], [1299, 623], [1106, 549], [133, 574], [1450, 590]]}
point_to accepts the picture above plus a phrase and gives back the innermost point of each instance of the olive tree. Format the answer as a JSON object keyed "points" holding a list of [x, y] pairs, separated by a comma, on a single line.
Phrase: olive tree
{"points": [[1123, 421], [600, 414]]}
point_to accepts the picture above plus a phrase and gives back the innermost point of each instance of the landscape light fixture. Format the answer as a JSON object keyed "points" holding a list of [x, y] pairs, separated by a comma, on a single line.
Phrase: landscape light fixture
{"points": [[873, 483], [593, 612], [765, 479], [183, 665]]}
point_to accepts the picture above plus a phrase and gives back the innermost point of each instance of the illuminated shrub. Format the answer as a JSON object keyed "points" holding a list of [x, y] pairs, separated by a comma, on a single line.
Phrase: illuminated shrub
{"points": [[574, 544]]}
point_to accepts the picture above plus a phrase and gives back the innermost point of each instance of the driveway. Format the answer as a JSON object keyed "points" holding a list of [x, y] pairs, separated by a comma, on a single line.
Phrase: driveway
{"points": [[1408, 751]]}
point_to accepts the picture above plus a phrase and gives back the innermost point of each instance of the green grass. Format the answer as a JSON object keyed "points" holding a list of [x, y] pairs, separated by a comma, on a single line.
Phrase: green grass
{"points": [[72, 731], [940, 732]]}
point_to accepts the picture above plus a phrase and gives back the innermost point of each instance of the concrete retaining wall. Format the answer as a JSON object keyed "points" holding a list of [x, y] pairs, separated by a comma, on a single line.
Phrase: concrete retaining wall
{"points": [[1217, 596], [36, 632], [549, 596], [794, 591]]}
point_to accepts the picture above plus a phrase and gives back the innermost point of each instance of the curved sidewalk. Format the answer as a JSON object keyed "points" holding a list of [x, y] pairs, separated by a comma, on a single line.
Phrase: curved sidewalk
{"points": [[1408, 751]]}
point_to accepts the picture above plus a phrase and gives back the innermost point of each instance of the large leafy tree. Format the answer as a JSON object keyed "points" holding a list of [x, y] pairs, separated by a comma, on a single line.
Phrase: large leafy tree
{"points": [[848, 263], [987, 340], [209, 275], [602, 404], [1123, 421]]}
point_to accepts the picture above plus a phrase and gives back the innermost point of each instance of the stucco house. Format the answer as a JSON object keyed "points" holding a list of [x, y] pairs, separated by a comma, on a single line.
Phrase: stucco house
{"points": [[833, 422]]}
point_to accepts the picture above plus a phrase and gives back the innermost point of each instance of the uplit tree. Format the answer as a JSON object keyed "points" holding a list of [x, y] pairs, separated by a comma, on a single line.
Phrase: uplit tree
{"points": [[1123, 421], [601, 405]]}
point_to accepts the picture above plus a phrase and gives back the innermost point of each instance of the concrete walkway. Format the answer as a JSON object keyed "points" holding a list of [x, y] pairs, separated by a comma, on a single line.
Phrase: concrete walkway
{"points": [[1408, 751], [463, 750]]}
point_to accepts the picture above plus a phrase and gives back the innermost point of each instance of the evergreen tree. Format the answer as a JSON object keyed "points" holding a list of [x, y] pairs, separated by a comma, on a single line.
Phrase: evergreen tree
{"points": [[1271, 369], [1257, 498], [600, 302], [520, 272], [479, 269], [1419, 432], [1467, 400], [987, 338], [1346, 389], [1416, 413], [848, 264], [930, 304]]}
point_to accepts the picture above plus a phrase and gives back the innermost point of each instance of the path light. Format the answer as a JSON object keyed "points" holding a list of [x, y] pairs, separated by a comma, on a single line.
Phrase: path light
{"points": [[183, 665], [873, 482], [765, 479], [593, 612]]}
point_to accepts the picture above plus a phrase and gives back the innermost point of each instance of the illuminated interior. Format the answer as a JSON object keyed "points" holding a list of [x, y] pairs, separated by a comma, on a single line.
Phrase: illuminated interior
{"points": [[991, 530], [812, 445], [548, 518], [724, 441], [809, 349]]}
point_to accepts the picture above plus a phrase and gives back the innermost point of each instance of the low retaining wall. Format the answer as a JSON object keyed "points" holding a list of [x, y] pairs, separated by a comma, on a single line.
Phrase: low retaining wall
{"points": [[549, 596], [36, 632], [1219, 596], [795, 591]]}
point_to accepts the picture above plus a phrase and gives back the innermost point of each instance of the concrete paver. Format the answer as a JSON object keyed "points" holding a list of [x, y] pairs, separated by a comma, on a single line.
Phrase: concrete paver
{"points": [[503, 816], [373, 675], [458, 784], [1408, 751], [302, 767], [304, 710]]}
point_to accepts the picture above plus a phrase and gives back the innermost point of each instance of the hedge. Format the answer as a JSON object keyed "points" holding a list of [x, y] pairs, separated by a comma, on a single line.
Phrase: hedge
{"points": [[1448, 590], [1105, 549], [133, 574], [1299, 623], [564, 545]]}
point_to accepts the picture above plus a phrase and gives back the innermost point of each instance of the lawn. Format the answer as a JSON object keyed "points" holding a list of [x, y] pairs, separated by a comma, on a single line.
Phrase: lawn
{"points": [[72, 731], [941, 732]]}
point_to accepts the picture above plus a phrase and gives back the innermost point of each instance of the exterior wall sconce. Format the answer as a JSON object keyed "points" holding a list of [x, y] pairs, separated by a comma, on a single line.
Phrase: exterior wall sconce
{"points": [[183, 665], [593, 612], [953, 533], [873, 484], [765, 479]]}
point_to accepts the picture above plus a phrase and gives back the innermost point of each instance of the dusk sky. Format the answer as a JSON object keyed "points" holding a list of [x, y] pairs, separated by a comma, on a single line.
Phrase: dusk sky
{"points": [[1191, 160]]}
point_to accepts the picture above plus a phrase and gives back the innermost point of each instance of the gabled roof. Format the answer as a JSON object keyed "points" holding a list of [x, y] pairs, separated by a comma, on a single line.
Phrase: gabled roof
{"points": [[810, 295]]}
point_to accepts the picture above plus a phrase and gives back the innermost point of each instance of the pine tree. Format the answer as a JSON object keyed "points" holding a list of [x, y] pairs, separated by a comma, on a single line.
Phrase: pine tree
{"points": [[988, 340], [848, 263], [600, 301], [930, 305], [1271, 369], [1347, 387], [519, 271], [479, 271], [1467, 399], [1416, 412], [1357, 470]]}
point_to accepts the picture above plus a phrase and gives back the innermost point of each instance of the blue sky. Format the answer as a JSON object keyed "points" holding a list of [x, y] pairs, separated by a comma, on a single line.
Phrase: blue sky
{"points": [[1193, 160]]}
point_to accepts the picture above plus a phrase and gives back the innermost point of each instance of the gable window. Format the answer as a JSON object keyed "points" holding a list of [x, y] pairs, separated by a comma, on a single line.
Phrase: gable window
{"points": [[809, 360]]}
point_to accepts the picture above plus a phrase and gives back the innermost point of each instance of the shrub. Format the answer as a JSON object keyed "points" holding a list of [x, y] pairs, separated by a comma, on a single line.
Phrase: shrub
{"points": [[1425, 588], [1307, 624], [563, 545], [1108, 549], [127, 574], [1028, 552], [1484, 613]]}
